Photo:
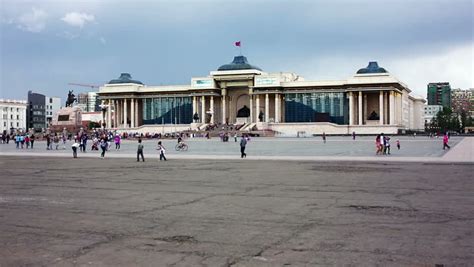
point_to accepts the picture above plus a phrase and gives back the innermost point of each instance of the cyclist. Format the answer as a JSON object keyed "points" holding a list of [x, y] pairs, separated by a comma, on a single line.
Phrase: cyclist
{"points": [[181, 145]]}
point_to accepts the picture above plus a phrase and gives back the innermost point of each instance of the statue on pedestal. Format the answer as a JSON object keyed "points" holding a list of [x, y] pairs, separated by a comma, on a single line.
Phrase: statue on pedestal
{"points": [[71, 98]]}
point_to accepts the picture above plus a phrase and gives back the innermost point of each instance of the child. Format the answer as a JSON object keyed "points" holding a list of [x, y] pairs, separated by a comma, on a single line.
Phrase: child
{"points": [[162, 150], [398, 144], [140, 150], [117, 141], [74, 149]]}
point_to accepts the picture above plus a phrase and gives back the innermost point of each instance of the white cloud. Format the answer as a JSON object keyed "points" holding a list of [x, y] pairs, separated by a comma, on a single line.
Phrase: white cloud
{"points": [[415, 69], [454, 66], [34, 21], [68, 35], [102, 40], [77, 19]]}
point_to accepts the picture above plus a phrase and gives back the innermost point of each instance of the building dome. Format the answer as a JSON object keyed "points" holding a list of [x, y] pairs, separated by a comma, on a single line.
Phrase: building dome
{"points": [[124, 78], [239, 63], [373, 67]]}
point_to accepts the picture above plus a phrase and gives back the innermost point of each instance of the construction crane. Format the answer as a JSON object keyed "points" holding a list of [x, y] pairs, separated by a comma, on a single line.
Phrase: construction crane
{"points": [[84, 85]]}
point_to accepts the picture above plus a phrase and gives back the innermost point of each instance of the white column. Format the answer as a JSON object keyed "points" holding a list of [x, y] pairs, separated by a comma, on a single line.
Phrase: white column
{"points": [[136, 113], [351, 108], [267, 108], [203, 109], [109, 114], [224, 108], [385, 107], [257, 107], [392, 108], [212, 109], [125, 113], [117, 114], [277, 108], [251, 108], [132, 113], [121, 113], [194, 106], [381, 108], [360, 107], [364, 114], [114, 116]]}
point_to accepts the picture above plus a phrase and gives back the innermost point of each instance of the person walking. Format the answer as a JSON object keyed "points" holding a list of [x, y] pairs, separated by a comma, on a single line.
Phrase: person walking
{"points": [[32, 140], [377, 144], [353, 135], [117, 141], [243, 144], [387, 145], [140, 150], [22, 141], [162, 150], [324, 137], [27, 141], [56, 141], [382, 143], [84, 138], [445, 141], [103, 146], [74, 149], [398, 144], [17, 141]]}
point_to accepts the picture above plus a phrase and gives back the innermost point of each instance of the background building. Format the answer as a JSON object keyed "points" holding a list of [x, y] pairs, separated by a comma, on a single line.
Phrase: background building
{"points": [[88, 102], [430, 112], [53, 104], [439, 94], [36, 111], [463, 100], [41, 110], [240, 94], [12, 115]]}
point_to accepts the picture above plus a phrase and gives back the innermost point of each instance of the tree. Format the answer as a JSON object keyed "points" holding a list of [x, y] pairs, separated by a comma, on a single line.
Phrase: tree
{"points": [[464, 120], [444, 121]]}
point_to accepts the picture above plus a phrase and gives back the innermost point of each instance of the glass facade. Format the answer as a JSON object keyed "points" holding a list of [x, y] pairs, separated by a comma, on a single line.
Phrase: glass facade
{"points": [[317, 107], [168, 110]]}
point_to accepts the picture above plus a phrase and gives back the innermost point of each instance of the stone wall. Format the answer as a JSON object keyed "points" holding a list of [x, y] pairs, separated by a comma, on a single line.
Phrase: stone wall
{"points": [[292, 129]]}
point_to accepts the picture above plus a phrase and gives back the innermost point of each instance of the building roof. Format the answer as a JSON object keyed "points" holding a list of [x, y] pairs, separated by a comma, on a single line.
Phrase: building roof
{"points": [[239, 63], [124, 78], [373, 67]]}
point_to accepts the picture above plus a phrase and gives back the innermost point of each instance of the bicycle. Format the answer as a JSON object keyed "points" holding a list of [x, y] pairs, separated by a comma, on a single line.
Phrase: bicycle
{"points": [[181, 147]]}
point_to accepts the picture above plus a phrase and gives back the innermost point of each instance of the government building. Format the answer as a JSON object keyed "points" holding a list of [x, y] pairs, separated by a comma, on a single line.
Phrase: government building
{"points": [[370, 102]]}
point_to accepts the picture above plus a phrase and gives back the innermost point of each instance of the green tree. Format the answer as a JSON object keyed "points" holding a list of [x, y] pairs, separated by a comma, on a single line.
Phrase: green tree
{"points": [[464, 119], [445, 120]]}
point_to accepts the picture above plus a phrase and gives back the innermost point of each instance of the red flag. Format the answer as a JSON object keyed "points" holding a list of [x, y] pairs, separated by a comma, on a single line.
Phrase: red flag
{"points": [[237, 43]]}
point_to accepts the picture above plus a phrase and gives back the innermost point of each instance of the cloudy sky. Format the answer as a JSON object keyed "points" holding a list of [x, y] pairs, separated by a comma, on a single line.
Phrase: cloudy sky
{"points": [[47, 44]]}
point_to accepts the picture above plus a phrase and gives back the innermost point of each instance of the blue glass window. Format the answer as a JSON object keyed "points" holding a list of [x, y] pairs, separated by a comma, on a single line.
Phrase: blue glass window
{"points": [[316, 107], [167, 110]]}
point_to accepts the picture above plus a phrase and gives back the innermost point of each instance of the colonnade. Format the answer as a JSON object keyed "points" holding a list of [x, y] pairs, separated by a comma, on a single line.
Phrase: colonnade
{"points": [[389, 104], [122, 113], [255, 103]]}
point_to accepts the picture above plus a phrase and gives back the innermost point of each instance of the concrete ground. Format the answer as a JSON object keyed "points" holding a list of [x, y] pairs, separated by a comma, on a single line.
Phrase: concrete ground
{"points": [[421, 149], [118, 212]]}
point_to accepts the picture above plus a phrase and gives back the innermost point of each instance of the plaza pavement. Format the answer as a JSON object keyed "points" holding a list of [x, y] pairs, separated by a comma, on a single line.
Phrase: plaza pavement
{"points": [[419, 149], [90, 212]]}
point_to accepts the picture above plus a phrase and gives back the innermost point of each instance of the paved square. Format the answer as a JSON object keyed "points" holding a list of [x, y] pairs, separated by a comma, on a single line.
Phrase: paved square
{"points": [[117, 212]]}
